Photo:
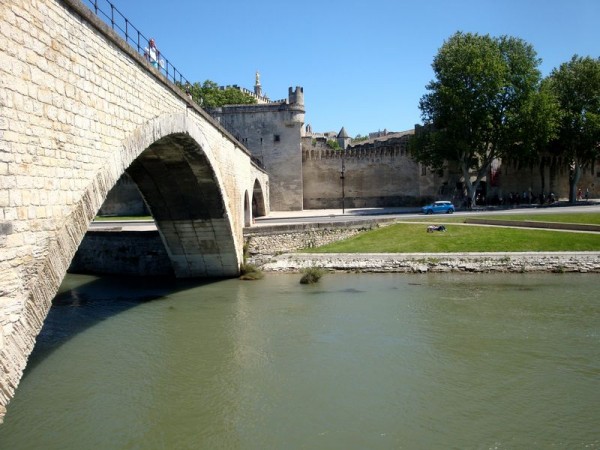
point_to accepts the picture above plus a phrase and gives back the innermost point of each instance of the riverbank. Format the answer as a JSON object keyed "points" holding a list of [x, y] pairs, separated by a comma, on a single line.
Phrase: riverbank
{"points": [[278, 249], [273, 246], [552, 262]]}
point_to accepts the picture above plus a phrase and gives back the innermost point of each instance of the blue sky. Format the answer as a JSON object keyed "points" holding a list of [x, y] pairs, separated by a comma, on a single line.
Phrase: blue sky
{"points": [[364, 65]]}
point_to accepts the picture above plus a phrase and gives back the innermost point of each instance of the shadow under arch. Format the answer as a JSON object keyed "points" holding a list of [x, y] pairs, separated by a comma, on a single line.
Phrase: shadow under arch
{"points": [[258, 200], [183, 193]]}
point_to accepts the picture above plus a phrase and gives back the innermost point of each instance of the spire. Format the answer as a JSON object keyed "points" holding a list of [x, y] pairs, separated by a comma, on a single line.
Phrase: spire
{"points": [[257, 86], [343, 139], [342, 134]]}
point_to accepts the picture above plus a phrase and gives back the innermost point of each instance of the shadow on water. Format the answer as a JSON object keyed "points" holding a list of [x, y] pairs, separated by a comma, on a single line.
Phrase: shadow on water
{"points": [[344, 291], [79, 306]]}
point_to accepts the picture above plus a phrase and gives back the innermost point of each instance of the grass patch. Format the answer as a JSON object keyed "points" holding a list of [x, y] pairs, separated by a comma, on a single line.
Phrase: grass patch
{"points": [[413, 238], [586, 218], [250, 272]]}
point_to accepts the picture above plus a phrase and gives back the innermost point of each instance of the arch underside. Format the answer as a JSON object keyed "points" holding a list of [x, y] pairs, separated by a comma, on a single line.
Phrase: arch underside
{"points": [[179, 186], [258, 201]]}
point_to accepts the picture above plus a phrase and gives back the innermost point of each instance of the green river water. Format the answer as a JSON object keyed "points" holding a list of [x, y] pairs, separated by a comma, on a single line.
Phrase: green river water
{"points": [[357, 361]]}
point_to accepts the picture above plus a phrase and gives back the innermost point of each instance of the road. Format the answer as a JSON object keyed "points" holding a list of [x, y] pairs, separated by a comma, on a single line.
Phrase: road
{"points": [[348, 215]]}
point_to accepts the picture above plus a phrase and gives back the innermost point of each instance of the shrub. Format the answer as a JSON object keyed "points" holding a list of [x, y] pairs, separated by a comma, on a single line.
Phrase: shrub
{"points": [[250, 272], [311, 275]]}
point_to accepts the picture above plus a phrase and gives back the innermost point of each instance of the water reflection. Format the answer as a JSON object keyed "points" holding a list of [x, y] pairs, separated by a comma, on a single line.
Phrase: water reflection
{"points": [[357, 361]]}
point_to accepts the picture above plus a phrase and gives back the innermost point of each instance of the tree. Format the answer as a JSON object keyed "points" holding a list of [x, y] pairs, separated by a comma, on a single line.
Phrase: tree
{"points": [[476, 108], [539, 125], [210, 95], [576, 85], [360, 138], [333, 144]]}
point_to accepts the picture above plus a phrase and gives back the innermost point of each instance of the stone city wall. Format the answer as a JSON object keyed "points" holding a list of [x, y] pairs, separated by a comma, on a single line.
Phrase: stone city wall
{"points": [[523, 180], [124, 199], [372, 178]]}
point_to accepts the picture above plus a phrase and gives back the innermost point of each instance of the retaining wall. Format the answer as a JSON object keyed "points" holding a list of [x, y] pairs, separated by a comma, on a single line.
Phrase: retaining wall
{"points": [[132, 253]]}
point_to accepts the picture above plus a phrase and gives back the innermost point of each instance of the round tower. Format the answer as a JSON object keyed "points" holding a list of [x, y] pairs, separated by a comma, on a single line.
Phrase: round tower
{"points": [[296, 97]]}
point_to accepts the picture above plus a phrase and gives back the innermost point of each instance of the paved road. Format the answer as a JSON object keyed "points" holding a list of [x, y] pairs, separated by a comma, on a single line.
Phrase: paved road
{"points": [[348, 215], [324, 216]]}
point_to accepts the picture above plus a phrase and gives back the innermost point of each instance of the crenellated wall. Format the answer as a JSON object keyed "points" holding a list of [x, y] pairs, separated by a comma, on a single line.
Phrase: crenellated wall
{"points": [[376, 174]]}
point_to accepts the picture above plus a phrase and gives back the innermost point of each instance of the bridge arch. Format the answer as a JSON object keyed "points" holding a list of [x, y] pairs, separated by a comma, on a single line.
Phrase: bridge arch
{"points": [[180, 181], [83, 107], [258, 200]]}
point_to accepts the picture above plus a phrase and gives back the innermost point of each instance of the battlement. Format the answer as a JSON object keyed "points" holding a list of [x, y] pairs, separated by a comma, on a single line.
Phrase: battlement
{"points": [[260, 99], [296, 97], [318, 153], [391, 146]]}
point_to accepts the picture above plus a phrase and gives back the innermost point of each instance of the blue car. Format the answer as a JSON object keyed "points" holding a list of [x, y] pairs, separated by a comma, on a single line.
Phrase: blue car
{"points": [[438, 207]]}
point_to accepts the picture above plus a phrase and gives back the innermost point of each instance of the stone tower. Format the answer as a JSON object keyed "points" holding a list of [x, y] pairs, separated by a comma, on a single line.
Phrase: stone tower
{"points": [[272, 132], [343, 139]]}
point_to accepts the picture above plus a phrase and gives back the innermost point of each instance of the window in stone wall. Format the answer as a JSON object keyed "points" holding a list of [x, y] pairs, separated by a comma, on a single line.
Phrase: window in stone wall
{"points": [[276, 138]]}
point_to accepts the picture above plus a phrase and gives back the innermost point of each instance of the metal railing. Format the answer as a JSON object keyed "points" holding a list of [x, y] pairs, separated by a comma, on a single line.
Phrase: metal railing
{"points": [[134, 37]]}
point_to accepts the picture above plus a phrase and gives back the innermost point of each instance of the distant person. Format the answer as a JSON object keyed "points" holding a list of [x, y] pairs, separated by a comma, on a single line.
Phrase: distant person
{"points": [[152, 53], [587, 194]]}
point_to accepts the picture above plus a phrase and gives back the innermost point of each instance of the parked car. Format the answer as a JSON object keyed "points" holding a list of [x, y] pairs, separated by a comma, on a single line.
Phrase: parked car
{"points": [[438, 207]]}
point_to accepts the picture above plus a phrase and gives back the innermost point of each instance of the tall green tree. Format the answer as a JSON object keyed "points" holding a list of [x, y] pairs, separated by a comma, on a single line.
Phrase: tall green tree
{"points": [[576, 85], [478, 105], [210, 95], [540, 126]]}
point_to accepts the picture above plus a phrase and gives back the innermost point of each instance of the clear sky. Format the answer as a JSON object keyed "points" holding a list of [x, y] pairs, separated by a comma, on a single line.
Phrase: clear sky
{"points": [[363, 64]]}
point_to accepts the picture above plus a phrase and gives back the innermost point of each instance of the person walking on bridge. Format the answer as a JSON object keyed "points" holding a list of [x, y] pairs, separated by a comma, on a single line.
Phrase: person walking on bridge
{"points": [[152, 53]]}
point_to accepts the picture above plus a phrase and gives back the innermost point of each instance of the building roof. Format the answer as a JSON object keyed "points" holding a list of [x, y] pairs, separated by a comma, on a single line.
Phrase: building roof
{"points": [[342, 134]]}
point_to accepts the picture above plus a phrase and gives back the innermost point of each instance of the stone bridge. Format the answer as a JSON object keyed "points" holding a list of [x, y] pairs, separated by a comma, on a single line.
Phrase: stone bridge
{"points": [[78, 108]]}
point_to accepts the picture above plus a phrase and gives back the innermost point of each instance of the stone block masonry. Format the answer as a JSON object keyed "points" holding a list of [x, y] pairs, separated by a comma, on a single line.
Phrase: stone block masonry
{"points": [[555, 262], [78, 108], [127, 253]]}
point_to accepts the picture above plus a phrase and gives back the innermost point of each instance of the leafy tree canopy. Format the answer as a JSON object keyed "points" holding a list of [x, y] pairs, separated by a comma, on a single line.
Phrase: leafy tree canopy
{"points": [[576, 87], [210, 95], [479, 104], [333, 144]]}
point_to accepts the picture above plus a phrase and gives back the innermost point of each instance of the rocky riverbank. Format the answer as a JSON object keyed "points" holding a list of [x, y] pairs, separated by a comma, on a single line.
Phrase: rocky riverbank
{"points": [[273, 250], [555, 262]]}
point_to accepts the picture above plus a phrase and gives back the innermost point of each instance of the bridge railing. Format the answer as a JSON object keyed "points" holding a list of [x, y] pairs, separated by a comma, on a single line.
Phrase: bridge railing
{"points": [[134, 37]]}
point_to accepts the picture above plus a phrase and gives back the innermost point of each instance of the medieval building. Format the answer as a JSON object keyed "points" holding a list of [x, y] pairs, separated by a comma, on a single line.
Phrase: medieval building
{"points": [[307, 172]]}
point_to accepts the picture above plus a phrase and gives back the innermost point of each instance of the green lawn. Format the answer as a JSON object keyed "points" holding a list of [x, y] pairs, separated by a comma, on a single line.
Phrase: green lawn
{"points": [[587, 218], [413, 238]]}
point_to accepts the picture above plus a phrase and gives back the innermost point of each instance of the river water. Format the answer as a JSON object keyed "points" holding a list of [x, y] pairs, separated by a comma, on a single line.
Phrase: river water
{"points": [[357, 361]]}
